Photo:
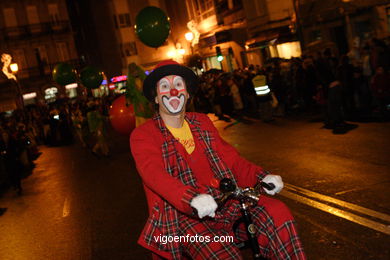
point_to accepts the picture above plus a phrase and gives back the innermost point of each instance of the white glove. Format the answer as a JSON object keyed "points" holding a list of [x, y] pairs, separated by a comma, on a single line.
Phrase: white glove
{"points": [[275, 180], [205, 205]]}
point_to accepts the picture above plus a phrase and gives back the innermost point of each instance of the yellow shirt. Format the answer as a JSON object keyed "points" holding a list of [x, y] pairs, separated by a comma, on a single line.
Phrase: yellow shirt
{"points": [[184, 136]]}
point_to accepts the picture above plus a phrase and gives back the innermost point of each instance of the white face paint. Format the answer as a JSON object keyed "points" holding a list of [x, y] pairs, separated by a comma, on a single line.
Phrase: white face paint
{"points": [[171, 94]]}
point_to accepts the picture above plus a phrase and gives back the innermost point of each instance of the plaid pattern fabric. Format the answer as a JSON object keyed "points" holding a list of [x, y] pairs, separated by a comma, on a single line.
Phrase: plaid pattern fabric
{"points": [[204, 249], [276, 241], [276, 233], [176, 166]]}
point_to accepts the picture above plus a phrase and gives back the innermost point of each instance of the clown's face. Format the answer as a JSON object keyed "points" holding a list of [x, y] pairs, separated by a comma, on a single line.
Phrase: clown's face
{"points": [[172, 95]]}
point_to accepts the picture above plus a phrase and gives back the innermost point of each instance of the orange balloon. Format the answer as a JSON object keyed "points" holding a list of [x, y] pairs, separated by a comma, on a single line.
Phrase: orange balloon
{"points": [[122, 117]]}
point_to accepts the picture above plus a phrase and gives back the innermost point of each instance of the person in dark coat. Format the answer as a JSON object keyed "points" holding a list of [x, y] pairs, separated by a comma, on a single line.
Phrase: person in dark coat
{"points": [[11, 149], [334, 93]]}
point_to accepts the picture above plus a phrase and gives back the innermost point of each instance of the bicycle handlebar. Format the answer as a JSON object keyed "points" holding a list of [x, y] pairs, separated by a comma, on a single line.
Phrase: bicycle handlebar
{"points": [[230, 190]]}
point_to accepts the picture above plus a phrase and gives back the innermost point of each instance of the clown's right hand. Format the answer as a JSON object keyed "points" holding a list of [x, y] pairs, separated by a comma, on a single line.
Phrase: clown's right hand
{"points": [[205, 205]]}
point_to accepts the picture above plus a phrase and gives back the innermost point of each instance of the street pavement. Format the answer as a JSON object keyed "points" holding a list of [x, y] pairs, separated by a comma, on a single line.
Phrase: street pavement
{"points": [[77, 206]]}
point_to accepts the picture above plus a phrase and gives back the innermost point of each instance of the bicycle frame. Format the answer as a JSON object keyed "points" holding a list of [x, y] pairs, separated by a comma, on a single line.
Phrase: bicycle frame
{"points": [[247, 197]]}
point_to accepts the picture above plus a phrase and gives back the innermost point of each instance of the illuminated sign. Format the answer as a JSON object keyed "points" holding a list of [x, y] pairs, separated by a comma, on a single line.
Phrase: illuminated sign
{"points": [[111, 86], [70, 86], [119, 78], [30, 95]]}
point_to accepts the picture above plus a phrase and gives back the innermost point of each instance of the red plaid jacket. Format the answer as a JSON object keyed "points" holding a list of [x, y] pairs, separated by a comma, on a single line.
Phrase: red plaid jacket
{"points": [[168, 181]]}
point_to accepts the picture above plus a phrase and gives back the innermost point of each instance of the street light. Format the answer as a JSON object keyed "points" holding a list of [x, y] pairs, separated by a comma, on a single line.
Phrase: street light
{"points": [[14, 68], [189, 37]]}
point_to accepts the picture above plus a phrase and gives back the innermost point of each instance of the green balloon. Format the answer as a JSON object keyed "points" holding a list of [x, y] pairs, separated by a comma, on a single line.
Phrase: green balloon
{"points": [[64, 74], [152, 26], [91, 77]]}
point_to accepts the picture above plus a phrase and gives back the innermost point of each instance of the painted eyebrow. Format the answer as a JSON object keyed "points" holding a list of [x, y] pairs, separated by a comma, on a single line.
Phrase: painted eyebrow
{"points": [[163, 80]]}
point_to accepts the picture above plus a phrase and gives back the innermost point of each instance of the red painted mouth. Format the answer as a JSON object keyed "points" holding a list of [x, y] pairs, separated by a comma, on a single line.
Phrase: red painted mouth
{"points": [[174, 103]]}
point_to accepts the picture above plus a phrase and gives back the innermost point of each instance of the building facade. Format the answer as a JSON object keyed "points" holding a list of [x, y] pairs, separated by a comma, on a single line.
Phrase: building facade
{"points": [[247, 32], [271, 30], [342, 24], [37, 35], [219, 24], [105, 35]]}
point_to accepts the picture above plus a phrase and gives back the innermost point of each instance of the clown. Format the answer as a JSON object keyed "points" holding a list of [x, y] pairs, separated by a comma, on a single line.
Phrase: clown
{"points": [[180, 158]]}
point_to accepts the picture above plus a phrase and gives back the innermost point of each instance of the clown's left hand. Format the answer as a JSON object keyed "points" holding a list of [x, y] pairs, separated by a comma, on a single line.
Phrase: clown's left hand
{"points": [[276, 180]]}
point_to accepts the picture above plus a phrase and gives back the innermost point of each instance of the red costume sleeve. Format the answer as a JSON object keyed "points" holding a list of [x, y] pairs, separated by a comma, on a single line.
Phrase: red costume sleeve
{"points": [[246, 172], [148, 157]]}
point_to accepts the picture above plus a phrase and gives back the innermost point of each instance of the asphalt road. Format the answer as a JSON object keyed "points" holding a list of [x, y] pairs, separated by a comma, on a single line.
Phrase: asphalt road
{"points": [[76, 206]]}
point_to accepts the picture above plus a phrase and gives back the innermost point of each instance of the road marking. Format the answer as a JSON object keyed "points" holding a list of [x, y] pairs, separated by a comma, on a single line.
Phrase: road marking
{"points": [[351, 190], [354, 207], [66, 208], [338, 212]]}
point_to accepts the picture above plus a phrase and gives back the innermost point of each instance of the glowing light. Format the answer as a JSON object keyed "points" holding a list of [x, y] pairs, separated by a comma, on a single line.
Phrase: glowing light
{"points": [[30, 95], [181, 51], [14, 67], [70, 86], [192, 26], [189, 36], [246, 47], [289, 49], [6, 60], [119, 78], [220, 58], [171, 54]]}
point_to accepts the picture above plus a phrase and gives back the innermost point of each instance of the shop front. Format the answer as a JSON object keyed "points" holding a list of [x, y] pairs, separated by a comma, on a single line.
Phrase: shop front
{"points": [[118, 84], [221, 50], [271, 44]]}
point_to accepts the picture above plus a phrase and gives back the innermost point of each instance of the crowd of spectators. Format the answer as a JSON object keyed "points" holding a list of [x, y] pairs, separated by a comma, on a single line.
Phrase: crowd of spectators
{"points": [[59, 123], [348, 87]]}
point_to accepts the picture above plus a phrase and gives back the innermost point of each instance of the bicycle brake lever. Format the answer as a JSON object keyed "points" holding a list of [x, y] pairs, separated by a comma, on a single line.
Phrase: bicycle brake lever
{"points": [[221, 201]]}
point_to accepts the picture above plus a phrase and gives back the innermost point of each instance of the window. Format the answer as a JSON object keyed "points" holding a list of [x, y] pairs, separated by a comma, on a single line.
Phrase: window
{"points": [[43, 54], [53, 13], [32, 14], [19, 58], [388, 18], [363, 29], [63, 52], [124, 20], [154, 3], [10, 17], [29, 98], [129, 49], [201, 9], [71, 90]]}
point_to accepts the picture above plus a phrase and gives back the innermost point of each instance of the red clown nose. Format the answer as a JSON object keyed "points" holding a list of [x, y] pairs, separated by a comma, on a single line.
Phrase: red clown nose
{"points": [[174, 92]]}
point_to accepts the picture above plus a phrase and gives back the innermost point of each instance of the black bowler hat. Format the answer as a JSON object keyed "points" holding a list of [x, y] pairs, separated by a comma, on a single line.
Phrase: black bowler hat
{"points": [[165, 68]]}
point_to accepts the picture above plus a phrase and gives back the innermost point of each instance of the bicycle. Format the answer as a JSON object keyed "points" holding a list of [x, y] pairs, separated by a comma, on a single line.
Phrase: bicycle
{"points": [[247, 198]]}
